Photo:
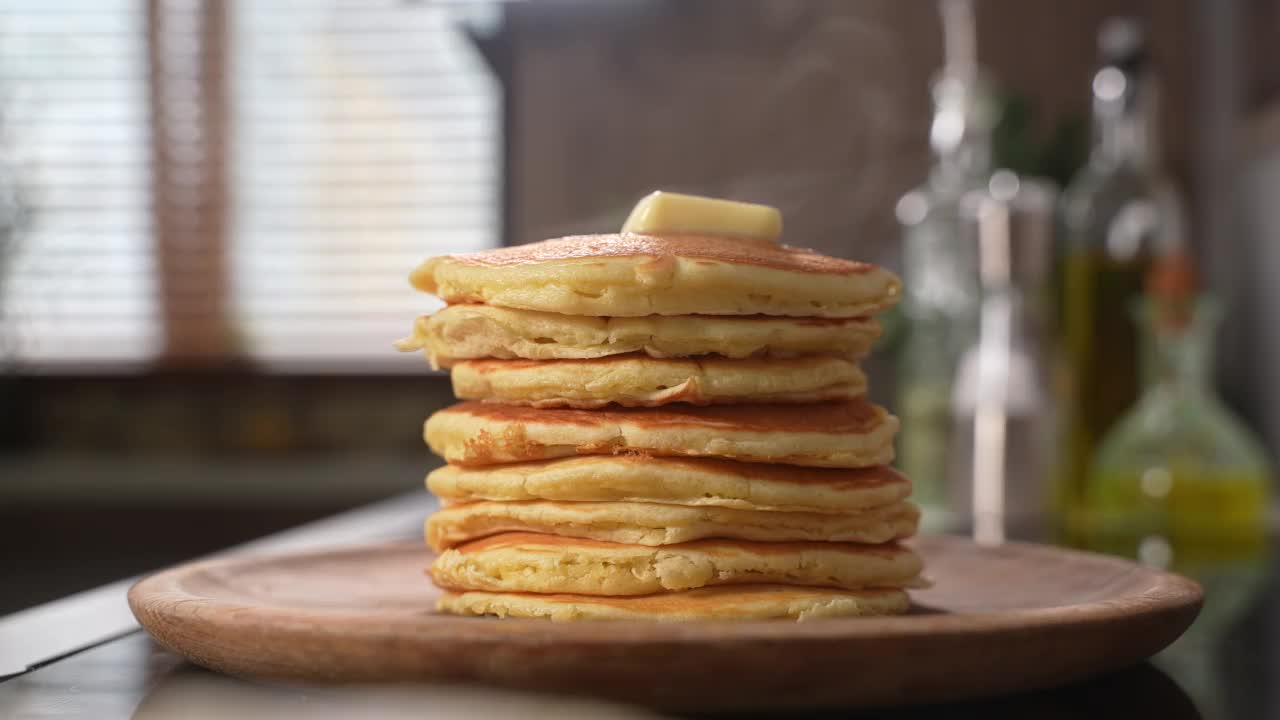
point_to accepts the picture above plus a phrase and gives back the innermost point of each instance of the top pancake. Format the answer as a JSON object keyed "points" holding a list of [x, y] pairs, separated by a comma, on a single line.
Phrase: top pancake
{"points": [[630, 275]]}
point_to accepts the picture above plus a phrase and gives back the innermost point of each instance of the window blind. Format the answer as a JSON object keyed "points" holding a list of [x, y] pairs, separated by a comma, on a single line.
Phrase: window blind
{"points": [[252, 178], [366, 136], [79, 276]]}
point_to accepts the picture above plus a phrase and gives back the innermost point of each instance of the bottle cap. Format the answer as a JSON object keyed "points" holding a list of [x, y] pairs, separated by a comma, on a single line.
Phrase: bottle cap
{"points": [[1122, 43], [1171, 287]]}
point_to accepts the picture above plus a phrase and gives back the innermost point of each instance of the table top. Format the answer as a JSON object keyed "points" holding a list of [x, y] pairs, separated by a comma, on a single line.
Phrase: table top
{"points": [[84, 657]]}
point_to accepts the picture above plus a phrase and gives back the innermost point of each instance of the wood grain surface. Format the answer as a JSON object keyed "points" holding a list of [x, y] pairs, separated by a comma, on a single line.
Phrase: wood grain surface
{"points": [[998, 619]]}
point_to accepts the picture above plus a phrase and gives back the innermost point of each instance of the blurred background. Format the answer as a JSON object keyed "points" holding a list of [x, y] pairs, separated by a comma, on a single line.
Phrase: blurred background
{"points": [[208, 210]]}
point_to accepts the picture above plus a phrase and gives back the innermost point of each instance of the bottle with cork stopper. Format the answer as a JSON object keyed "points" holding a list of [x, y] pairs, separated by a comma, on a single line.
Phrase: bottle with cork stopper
{"points": [[1179, 480], [1182, 484]]}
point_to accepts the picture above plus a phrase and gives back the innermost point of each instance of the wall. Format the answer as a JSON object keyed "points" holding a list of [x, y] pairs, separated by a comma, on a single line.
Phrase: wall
{"points": [[821, 107]]}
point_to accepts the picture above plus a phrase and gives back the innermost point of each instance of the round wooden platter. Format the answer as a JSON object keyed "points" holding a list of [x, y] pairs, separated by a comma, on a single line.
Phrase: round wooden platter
{"points": [[997, 620]]}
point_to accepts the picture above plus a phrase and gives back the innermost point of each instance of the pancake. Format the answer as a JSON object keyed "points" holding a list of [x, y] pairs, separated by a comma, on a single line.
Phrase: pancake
{"points": [[739, 602], [675, 481], [527, 562], [653, 524], [642, 381], [853, 433], [630, 275], [470, 332]]}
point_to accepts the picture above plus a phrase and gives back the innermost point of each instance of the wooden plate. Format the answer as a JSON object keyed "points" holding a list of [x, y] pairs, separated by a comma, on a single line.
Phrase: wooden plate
{"points": [[998, 619]]}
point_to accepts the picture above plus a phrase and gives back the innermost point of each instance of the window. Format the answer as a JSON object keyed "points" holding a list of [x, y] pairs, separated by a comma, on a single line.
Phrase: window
{"points": [[366, 137], [79, 283], [262, 179]]}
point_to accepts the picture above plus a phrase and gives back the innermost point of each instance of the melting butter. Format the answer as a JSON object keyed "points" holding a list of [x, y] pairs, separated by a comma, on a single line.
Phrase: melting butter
{"points": [[664, 212]]}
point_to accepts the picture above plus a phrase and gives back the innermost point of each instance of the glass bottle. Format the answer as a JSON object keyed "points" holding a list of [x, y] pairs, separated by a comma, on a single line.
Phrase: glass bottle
{"points": [[1179, 474], [940, 279], [1180, 483], [1002, 442], [1118, 214]]}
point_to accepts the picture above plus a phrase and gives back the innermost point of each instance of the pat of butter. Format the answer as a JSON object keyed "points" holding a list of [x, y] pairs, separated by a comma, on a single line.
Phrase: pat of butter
{"points": [[664, 212]]}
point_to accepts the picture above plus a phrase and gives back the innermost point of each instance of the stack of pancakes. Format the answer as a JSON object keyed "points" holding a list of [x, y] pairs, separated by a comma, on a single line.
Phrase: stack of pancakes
{"points": [[662, 427]]}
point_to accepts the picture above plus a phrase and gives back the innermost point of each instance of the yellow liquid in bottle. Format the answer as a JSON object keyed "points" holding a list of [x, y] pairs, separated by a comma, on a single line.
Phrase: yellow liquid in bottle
{"points": [[1202, 515], [1101, 348]]}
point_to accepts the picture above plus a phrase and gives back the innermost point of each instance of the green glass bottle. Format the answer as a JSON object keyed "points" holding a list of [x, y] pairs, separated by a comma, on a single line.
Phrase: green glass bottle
{"points": [[1180, 483], [1179, 480]]}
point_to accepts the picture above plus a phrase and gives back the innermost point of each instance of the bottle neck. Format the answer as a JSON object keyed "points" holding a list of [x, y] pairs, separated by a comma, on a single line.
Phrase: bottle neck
{"points": [[964, 166], [1123, 120], [1178, 355], [1121, 140], [961, 129]]}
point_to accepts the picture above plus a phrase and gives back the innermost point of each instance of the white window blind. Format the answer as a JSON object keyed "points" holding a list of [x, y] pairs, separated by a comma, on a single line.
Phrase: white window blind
{"points": [[365, 136], [79, 283], [357, 137]]}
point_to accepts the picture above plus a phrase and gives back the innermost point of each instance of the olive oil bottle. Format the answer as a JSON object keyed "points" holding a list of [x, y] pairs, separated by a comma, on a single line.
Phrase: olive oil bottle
{"points": [[1101, 347], [1178, 475], [1180, 483], [1119, 215]]}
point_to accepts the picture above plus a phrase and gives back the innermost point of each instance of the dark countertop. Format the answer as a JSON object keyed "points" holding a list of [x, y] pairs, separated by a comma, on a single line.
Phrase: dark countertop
{"points": [[84, 657]]}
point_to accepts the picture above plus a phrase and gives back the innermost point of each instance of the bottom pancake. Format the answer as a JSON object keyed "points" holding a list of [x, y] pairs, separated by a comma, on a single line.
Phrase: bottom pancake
{"points": [[741, 602], [534, 563]]}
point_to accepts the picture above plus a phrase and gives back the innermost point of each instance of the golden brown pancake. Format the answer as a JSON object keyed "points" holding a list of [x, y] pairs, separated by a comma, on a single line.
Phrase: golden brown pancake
{"points": [[838, 434], [630, 275], [528, 562], [654, 524], [675, 481], [732, 602], [642, 381], [473, 332]]}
